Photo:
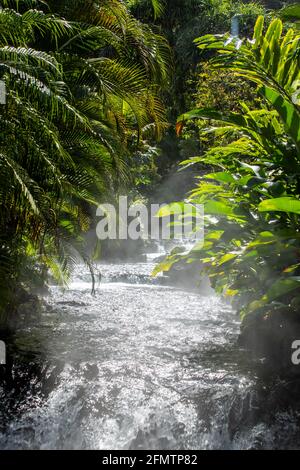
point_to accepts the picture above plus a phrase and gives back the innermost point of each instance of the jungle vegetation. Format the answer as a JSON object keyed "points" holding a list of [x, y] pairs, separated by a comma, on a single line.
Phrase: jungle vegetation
{"points": [[82, 82], [180, 22], [250, 188]]}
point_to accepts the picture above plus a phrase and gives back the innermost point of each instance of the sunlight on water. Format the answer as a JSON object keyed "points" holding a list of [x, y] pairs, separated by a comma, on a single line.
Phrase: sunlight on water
{"points": [[138, 366]]}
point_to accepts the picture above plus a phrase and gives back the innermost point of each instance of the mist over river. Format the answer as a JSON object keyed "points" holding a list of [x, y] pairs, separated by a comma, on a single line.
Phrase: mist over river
{"points": [[140, 365]]}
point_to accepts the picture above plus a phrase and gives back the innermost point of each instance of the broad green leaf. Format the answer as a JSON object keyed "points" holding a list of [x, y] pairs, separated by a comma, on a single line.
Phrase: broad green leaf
{"points": [[182, 210], [258, 30], [214, 235], [282, 287], [291, 12], [287, 111], [282, 204], [231, 292], [221, 176], [266, 234], [171, 209], [226, 258], [208, 113], [218, 208]]}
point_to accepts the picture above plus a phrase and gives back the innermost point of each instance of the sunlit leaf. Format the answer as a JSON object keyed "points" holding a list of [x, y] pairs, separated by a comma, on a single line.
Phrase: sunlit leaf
{"points": [[283, 204]]}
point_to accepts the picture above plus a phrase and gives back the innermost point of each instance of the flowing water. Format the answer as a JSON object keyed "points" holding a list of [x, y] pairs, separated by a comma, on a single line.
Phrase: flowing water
{"points": [[140, 365]]}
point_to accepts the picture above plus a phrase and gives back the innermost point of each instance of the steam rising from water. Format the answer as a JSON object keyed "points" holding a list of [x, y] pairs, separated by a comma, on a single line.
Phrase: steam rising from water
{"points": [[138, 366]]}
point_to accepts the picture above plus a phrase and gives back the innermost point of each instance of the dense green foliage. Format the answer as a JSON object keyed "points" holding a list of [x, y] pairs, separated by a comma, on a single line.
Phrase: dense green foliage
{"points": [[82, 82], [180, 22], [251, 192]]}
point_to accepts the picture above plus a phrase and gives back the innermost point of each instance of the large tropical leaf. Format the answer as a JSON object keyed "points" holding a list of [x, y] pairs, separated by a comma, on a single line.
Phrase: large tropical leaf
{"points": [[283, 204]]}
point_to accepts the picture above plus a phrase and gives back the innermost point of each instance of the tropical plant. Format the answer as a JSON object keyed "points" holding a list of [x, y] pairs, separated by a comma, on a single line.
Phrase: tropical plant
{"points": [[251, 250], [180, 22]]}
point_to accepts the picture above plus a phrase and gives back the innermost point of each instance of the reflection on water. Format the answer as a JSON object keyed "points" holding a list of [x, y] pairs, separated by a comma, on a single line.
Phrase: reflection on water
{"points": [[138, 366]]}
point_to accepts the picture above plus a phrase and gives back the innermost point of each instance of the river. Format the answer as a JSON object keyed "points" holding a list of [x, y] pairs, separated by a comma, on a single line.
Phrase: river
{"points": [[140, 365]]}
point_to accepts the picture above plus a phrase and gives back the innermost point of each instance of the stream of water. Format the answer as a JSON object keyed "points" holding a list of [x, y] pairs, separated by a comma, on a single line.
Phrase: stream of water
{"points": [[140, 365]]}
